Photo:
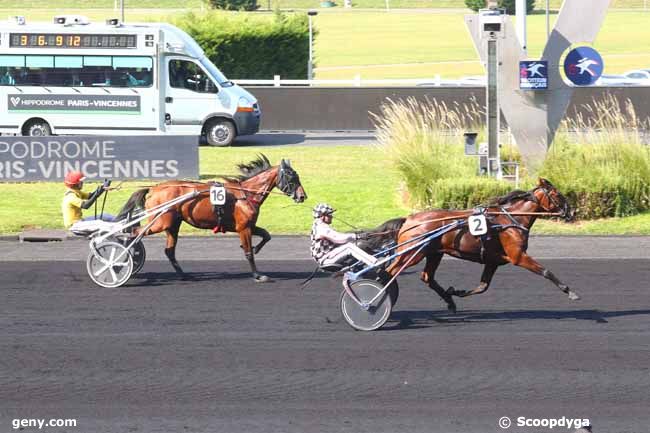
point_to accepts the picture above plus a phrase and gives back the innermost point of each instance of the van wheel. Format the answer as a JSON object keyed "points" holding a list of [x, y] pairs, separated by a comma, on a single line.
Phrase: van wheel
{"points": [[220, 133], [37, 128]]}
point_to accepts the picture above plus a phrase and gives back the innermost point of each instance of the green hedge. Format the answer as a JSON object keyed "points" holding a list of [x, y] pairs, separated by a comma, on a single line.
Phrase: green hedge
{"points": [[463, 193], [425, 143], [604, 170], [247, 46], [601, 179]]}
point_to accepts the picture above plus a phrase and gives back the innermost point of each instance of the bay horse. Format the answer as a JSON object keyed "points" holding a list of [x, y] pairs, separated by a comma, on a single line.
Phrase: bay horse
{"points": [[245, 195], [509, 222]]}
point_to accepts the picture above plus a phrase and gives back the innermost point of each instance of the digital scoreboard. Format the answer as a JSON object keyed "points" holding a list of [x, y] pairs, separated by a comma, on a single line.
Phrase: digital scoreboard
{"points": [[70, 40]]}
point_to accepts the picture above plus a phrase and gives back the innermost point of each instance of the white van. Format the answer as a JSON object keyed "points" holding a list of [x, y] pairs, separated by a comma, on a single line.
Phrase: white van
{"points": [[75, 77]]}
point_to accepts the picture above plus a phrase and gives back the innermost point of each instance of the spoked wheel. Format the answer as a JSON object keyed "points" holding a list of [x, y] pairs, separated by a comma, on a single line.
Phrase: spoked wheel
{"points": [[138, 253], [109, 264], [393, 289], [366, 317]]}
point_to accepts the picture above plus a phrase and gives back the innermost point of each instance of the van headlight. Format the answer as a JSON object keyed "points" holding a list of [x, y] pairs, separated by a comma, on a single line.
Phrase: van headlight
{"points": [[245, 106]]}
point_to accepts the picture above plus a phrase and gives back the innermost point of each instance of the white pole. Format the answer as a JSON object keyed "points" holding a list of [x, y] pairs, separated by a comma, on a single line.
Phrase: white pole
{"points": [[387, 6], [548, 23], [122, 1], [520, 8], [310, 65]]}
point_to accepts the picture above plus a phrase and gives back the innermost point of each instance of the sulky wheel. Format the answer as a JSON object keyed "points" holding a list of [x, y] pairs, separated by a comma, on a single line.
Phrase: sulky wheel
{"points": [[109, 264], [365, 317], [138, 253], [393, 292]]}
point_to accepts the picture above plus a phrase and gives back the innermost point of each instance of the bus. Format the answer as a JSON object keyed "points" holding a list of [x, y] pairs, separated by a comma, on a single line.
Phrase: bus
{"points": [[77, 77]]}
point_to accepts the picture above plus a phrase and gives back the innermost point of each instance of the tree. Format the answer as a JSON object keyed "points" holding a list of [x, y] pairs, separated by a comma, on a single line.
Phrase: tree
{"points": [[475, 5], [234, 5], [508, 5]]}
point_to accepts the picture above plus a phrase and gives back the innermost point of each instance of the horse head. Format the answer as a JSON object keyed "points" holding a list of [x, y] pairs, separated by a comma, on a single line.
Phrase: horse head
{"points": [[552, 200], [288, 182]]}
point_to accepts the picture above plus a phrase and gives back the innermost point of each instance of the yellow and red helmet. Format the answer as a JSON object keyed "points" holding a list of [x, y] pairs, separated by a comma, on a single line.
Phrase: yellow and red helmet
{"points": [[73, 177]]}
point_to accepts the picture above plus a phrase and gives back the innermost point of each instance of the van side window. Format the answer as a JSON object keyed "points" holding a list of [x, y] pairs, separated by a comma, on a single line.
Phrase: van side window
{"points": [[76, 71], [188, 75]]}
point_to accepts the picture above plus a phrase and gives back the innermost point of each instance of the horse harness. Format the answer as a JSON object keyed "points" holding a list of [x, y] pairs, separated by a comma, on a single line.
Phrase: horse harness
{"points": [[491, 228], [286, 183]]}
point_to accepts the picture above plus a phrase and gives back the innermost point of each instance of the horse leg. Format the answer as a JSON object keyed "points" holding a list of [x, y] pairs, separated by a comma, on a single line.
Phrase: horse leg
{"points": [[486, 278], [428, 276], [259, 231], [170, 247], [525, 261], [245, 237]]}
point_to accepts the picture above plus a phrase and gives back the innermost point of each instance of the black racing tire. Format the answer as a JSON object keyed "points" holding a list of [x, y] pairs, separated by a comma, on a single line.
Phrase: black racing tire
{"points": [[139, 255], [37, 128], [220, 132], [393, 290]]}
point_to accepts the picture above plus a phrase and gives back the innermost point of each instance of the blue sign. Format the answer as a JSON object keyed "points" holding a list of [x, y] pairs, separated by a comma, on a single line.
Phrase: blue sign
{"points": [[583, 66], [533, 75]]}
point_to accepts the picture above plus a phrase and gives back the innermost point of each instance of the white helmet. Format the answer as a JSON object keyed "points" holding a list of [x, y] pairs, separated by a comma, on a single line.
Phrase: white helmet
{"points": [[322, 209]]}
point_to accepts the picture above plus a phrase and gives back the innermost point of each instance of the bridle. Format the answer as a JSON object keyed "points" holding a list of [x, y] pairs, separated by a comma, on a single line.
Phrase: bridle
{"points": [[565, 207], [287, 182]]}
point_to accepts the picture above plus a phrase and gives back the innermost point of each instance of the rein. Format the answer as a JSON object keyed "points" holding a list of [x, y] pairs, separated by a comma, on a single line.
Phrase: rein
{"points": [[459, 217]]}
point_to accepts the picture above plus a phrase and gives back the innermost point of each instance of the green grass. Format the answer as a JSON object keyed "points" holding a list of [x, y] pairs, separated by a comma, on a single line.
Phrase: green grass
{"points": [[355, 179], [380, 45], [286, 4], [98, 4], [418, 46], [633, 225]]}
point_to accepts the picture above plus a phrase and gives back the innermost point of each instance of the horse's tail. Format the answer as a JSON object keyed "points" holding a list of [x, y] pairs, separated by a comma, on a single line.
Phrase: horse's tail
{"points": [[383, 235], [136, 201]]}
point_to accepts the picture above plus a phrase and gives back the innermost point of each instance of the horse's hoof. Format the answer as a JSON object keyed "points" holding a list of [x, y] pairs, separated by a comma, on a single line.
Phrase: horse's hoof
{"points": [[262, 279], [573, 296], [451, 306]]}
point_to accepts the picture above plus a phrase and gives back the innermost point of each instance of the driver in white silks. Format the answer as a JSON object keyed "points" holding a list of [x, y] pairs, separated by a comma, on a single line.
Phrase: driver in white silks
{"points": [[329, 247]]}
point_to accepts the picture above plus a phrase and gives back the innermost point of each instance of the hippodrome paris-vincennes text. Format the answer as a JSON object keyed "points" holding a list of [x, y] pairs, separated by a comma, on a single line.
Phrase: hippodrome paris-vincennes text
{"points": [[52, 159]]}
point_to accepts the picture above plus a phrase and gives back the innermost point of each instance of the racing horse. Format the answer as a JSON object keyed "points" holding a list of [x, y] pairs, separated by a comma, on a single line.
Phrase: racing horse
{"points": [[245, 195], [509, 221]]}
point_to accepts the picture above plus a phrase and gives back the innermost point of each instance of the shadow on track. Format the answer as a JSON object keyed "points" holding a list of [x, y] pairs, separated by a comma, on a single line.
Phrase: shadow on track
{"points": [[426, 319], [170, 278]]}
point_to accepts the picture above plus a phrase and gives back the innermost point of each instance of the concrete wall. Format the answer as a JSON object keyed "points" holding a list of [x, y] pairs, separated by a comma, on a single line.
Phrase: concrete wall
{"points": [[337, 108]]}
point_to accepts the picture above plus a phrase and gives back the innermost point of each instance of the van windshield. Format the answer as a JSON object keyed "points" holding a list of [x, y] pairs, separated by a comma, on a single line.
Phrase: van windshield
{"points": [[215, 73]]}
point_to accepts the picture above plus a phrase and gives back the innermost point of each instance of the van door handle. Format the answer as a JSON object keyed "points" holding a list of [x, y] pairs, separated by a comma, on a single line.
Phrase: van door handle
{"points": [[169, 99]]}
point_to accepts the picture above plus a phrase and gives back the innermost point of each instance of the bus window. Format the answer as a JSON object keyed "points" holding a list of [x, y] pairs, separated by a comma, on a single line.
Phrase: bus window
{"points": [[188, 75], [7, 77], [76, 71], [133, 71], [10, 67]]}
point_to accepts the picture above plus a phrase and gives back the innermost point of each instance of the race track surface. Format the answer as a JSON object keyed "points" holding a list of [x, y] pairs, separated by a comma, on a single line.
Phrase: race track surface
{"points": [[220, 353]]}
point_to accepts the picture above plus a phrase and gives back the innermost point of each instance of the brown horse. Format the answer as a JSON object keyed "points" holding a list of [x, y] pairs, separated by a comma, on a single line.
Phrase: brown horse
{"points": [[509, 221], [245, 195]]}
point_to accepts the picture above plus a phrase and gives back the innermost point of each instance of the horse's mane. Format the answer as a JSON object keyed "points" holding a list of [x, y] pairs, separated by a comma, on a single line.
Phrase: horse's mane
{"points": [[249, 170], [515, 195]]}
